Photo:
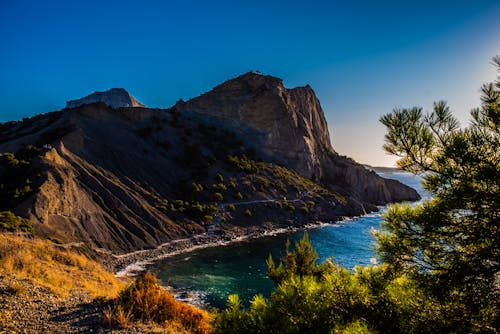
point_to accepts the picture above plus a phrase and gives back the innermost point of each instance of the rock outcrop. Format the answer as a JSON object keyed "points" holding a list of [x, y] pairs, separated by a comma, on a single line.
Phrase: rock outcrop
{"points": [[114, 97], [288, 126], [284, 125]]}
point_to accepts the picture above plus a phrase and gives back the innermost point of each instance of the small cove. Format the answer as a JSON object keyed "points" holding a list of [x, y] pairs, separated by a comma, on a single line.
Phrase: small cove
{"points": [[208, 275]]}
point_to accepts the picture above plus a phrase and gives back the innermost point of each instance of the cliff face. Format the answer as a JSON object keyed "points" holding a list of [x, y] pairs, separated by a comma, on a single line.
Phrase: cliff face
{"points": [[288, 126], [114, 97]]}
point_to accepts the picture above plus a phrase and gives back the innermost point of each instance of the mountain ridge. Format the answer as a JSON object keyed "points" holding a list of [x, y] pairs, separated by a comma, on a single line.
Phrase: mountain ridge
{"points": [[130, 178]]}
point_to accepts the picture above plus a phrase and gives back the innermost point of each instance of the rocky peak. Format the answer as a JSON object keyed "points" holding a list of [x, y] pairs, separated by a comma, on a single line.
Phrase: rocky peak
{"points": [[114, 97], [287, 125]]}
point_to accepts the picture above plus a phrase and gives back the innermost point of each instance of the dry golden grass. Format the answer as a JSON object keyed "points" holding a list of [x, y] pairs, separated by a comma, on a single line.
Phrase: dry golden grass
{"points": [[60, 270], [145, 300]]}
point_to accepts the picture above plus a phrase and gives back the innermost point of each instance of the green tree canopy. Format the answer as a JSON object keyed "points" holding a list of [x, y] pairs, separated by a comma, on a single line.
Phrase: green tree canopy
{"points": [[450, 243]]}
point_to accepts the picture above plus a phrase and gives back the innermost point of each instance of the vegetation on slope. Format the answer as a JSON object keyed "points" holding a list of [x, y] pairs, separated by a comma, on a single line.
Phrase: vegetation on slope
{"points": [[17, 176], [18, 179], [217, 169]]}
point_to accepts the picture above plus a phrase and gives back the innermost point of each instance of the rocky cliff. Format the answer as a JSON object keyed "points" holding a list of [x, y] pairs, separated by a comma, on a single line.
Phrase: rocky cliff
{"points": [[284, 125], [288, 126], [114, 97], [248, 154]]}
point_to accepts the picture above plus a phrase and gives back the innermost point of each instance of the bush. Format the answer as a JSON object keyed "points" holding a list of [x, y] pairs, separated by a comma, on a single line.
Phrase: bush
{"points": [[262, 182], [243, 163], [10, 222], [282, 186], [324, 298], [248, 213], [145, 300], [220, 187], [220, 178], [197, 188], [231, 207], [18, 177]]}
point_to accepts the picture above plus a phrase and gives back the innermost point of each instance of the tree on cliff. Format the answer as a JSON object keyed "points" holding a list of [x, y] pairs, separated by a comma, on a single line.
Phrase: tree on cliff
{"points": [[450, 243]]}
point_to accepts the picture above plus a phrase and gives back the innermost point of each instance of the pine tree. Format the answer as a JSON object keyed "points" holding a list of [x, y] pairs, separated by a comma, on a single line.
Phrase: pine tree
{"points": [[450, 243]]}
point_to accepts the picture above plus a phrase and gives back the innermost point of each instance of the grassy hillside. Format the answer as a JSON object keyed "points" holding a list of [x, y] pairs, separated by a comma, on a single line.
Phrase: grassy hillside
{"points": [[40, 282], [52, 266]]}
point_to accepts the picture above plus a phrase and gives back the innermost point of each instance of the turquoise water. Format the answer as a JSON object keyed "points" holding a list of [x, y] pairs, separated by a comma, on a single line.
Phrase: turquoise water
{"points": [[209, 275]]}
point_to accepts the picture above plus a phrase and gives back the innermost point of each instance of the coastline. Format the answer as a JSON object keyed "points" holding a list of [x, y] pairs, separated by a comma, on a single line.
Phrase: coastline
{"points": [[131, 264]]}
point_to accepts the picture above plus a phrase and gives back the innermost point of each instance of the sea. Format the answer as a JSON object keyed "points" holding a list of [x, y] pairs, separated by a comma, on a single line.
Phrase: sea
{"points": [[207, 276]]}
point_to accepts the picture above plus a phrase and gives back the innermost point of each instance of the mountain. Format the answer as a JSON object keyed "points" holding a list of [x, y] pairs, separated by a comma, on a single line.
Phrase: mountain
{"points": [[288, 126], [284, 125], [249, 155], [114, 97]]}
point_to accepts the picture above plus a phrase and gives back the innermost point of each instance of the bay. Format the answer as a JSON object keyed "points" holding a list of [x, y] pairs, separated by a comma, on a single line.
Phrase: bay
{"points": [[207, 276]]}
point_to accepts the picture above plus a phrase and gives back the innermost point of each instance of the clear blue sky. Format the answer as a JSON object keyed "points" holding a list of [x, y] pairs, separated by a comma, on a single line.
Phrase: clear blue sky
{"points": [[363, 58]]}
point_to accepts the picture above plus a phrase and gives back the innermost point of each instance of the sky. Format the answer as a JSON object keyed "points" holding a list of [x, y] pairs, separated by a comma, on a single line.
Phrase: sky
{"points": [[362, 58]]}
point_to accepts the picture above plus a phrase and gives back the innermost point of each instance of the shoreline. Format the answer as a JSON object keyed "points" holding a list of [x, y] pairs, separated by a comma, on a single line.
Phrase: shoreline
{"points": [[131, 264]]}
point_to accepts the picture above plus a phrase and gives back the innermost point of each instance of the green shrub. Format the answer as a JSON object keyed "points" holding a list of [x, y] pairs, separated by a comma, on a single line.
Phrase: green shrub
{"points": [[231, 207], [325, 298], [238, 196], [10, 222], [243, 163], [248, 213], [262, 182], [198, 188], [18, 176], [282, 186], [220, 187]]}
